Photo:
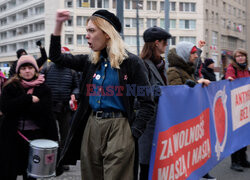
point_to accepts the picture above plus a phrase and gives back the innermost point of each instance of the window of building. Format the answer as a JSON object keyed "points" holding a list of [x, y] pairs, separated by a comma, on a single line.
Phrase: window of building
{"points": [[130, 40], [39, 26], [93, 3], [12, 47], [187, 7], [172, 41], [223, 41], [151, 22], [172, 6], [81, 39], [132, 4], [187, 24], [162, 6], [188, 38], [3, 8], [206, 35], [234, 10], [232, 42], [214, 38], [12, 33], [3, 35], [234, 27], [207, 16], [69, 3], [217, 18], [224, 23], [69, 39], [3, 49], [172, 24], [114, 4], [243, 14], [12, 18], [212, 17], [3, 21], [39, 10], [69, 22], [151, 5], [81, 20], [229, 9], [224, 7], [131, 22]]}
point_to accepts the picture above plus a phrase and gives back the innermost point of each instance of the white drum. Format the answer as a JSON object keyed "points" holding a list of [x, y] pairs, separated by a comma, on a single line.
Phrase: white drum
{"points": [[42, 158]]}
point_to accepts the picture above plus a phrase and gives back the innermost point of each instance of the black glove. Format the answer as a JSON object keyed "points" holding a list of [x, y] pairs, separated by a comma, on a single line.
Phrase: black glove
{"points": [[190, 83], [38, 43]]}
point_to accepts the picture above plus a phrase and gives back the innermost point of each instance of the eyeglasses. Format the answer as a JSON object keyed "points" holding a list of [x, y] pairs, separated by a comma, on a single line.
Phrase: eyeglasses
{"points": [[240, 56]]}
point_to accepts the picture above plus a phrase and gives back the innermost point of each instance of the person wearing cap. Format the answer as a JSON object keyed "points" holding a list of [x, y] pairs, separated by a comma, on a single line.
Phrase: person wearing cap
{"points": [[208, 70], [238, 68], [155, 45], [105, 127], [20, 52], [26, 105]]}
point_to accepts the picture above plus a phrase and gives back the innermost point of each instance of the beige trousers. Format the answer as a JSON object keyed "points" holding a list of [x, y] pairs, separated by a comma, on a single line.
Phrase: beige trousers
{"points": [[107, 150]]}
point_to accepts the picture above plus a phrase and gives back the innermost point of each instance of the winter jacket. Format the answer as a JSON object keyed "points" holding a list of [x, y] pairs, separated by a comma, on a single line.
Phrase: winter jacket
{"points": [[179, 71], [16, 104], [145, 141], [208, 73], [62, 81], [131, 72], [40, 61], [234, 71]]}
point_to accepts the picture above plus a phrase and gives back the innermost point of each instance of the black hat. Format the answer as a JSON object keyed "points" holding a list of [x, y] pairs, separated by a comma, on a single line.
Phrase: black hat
{"points": [[155, 33], [19, 53], [110, 17], [208, 61]]}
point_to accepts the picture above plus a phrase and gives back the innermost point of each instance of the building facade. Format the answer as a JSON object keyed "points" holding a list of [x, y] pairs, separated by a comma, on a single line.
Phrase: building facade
{"points": [[221, 23]]}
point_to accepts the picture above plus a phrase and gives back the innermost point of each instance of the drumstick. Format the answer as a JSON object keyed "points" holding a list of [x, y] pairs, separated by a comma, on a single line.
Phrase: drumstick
{"points": [[26, 139]]}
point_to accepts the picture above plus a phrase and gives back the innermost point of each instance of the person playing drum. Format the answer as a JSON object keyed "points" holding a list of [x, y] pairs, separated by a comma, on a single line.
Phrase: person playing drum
{"points": [[26, 105]]}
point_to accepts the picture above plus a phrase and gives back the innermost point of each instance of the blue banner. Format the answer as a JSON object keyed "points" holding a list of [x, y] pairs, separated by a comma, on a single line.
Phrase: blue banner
{"points": [[198, 127]]}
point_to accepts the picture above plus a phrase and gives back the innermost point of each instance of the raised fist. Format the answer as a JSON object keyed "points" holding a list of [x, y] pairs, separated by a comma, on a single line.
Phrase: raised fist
{"points": [[62, 15], [38, 43]]}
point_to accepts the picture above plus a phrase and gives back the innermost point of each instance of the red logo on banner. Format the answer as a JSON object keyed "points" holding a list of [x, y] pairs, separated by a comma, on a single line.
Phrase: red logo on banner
{"points": [[183, 148], [219, 117], [220, 121]]}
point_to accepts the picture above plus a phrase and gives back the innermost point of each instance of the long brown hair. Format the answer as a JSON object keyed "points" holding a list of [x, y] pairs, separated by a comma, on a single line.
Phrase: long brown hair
{"points": [[149, 51], [241, 51]]}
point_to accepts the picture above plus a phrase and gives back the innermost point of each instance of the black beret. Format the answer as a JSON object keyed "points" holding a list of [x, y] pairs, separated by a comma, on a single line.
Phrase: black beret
{"points": [[110, 17], [155, 33]]}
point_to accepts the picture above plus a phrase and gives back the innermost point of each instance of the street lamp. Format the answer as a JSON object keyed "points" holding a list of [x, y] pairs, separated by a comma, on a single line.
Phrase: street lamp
{"points": [[138, 5], [166, 7]]}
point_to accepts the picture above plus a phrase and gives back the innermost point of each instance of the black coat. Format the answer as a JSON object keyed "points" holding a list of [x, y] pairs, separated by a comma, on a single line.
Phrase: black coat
{"points": [[208, 73], [145, 141], [16, 103], [132, 71], [62, 81]]}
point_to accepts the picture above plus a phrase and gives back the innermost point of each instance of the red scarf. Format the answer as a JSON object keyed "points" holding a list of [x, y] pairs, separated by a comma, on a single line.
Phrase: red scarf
{"points": [[33, 83]]}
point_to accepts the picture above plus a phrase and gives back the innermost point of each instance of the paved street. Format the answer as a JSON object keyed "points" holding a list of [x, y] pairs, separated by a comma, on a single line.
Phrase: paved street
{"points": [[222, 172]]}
